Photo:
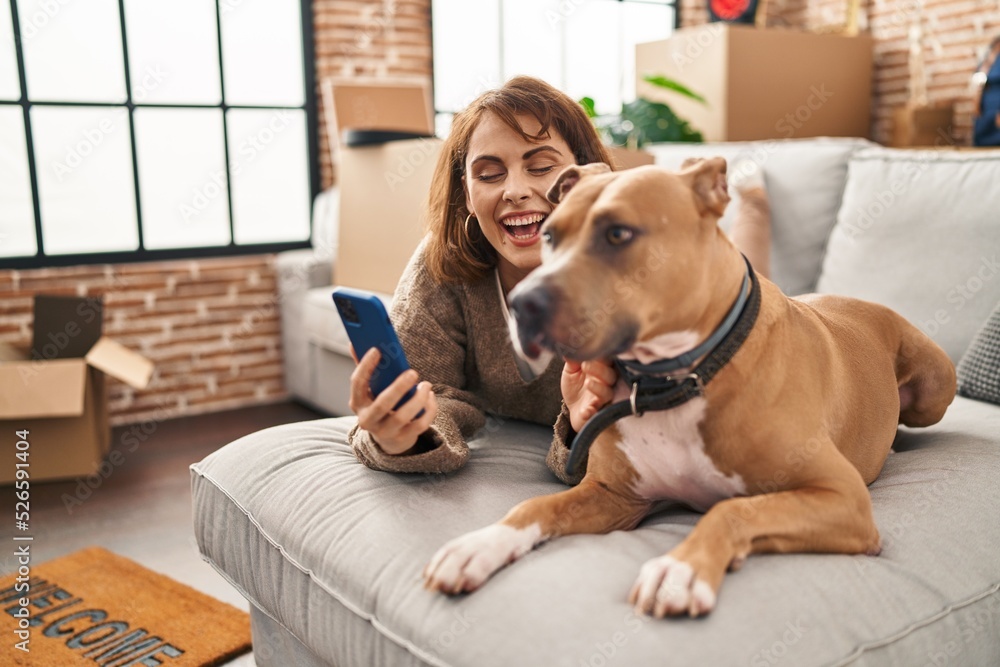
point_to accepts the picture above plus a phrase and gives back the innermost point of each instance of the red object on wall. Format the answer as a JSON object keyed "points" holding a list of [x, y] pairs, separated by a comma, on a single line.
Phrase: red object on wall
{"points": [[732, 11]]}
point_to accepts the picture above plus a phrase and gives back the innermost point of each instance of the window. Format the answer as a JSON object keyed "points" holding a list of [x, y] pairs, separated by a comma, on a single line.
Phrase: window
{"points": [[134, 130], [583, 47]]}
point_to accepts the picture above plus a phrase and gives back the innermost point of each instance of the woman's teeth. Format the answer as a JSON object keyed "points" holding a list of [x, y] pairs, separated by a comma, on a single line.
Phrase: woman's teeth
{"points": [[523, 227]]}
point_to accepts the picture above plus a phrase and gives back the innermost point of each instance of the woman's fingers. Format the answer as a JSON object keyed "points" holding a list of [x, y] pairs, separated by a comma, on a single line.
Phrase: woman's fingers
{"points": [[424, 421], [408, 411], [361, 393], [602, 370], [391, 395]]}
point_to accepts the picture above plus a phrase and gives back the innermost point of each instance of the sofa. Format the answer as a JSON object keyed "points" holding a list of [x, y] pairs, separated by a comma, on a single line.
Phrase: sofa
{"points": [[330, 553]]}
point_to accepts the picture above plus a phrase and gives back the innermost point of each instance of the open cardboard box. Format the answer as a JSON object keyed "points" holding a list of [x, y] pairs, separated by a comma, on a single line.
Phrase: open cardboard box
{"points": [[55, 390]]}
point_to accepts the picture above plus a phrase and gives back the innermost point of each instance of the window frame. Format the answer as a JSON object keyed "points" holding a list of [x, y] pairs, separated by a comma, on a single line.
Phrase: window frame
{"points": [[142, 254]]}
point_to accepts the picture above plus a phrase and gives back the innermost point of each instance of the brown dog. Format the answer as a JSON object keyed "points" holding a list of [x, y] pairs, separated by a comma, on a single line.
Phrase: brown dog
{"points": [[777, 448]]}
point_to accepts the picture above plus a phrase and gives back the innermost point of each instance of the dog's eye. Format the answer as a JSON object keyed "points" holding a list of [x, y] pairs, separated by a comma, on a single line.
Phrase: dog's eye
{"points": [[547, 237], [618, 235]]}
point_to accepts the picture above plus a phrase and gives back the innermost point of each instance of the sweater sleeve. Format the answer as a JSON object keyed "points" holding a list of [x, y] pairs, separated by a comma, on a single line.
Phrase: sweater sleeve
{"points": [[431, 326], [563, 435]]}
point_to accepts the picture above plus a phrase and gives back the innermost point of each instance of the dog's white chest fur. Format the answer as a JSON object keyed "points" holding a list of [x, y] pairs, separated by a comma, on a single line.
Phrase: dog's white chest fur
{"points": [[668, 453]]}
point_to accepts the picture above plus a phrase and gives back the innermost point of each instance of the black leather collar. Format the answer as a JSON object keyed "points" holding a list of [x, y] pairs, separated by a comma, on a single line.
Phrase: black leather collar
{"points": [[653, 386]]}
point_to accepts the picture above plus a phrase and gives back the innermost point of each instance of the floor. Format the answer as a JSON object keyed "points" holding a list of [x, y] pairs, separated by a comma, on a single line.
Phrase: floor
{"points": [[142, 510]]}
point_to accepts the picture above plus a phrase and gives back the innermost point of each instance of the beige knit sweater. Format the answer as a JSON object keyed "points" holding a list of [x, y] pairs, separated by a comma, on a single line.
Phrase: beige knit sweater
{"points": [[456, 338]]}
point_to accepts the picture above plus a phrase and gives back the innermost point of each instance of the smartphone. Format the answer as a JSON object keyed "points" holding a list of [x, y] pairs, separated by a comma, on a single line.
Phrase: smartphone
{"points": [[368, 325]]}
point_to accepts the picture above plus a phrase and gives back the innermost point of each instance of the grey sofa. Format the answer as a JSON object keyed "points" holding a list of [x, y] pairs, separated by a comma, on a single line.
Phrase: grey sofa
{"points": [[329, 553]]}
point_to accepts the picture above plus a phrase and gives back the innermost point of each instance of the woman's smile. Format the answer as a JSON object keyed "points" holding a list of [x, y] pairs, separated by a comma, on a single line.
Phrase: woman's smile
{"points": [[522, 227]]}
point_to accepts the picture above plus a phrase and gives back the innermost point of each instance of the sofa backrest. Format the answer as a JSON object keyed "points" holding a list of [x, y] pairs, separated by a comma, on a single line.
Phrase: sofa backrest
{"points": [[919, 231], [805, 181]]}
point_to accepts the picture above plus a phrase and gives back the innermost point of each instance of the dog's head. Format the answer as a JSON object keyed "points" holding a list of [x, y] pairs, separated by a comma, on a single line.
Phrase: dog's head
{"points": [[625, 258]]}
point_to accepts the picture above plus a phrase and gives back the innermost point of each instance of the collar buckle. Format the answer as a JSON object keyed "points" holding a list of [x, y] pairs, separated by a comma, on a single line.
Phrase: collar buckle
{"points": [[636, 412], [699, 383]]}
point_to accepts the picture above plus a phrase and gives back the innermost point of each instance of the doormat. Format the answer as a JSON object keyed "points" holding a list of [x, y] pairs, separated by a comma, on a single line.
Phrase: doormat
{"points": [[94, 607]]}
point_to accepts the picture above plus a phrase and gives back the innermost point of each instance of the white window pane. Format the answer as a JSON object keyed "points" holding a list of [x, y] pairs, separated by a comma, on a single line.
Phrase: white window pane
{"points": [[532, 38], [182, 178], [262, 52], [10, 86], [642, 23], [72, 50], [17, 215], [466, 51], [173, 50], [83, 159], [593, 55], [269, 164]]}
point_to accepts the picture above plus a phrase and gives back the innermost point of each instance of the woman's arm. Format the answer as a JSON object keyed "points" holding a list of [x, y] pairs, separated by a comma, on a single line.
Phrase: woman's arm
{"points": [[430, 323]]}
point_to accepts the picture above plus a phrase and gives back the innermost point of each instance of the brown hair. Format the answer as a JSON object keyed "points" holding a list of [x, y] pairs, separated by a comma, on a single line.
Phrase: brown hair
{"points": [[452, 256]]}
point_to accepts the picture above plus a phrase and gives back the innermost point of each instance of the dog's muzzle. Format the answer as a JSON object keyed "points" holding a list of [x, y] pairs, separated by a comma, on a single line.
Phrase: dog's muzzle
{"points": [[532, 311]]}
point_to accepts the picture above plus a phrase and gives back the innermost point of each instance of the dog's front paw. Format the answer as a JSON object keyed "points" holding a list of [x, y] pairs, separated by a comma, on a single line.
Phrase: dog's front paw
{"points": [[465, 563], [668, 586]]}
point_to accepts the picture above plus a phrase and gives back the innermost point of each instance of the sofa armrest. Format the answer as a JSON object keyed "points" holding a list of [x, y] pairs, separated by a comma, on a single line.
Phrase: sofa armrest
{"points": [[298, 271]]}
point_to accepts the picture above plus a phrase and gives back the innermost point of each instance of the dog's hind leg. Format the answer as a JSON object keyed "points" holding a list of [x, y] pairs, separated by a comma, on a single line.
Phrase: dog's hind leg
{"points": [[925, 376]]}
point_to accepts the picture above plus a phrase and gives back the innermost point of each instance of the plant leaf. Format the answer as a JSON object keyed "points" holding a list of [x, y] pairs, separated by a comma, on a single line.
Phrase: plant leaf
{"points": [[670, 84], [588, 106]]}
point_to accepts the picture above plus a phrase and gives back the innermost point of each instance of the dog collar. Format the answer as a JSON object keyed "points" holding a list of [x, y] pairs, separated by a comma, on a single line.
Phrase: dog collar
{"points": [[653, 386]]}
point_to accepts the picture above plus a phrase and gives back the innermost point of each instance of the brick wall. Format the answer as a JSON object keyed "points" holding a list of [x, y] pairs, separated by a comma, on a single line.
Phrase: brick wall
{"points": [[369, 39], [955, 33], [212, 325]]}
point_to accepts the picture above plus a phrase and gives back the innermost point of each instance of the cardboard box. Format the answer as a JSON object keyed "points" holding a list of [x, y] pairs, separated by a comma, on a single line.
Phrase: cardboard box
{"points": [[56, 390], [379, 105], [922, 126], [383, 199], [383, 187], [763, 83]]}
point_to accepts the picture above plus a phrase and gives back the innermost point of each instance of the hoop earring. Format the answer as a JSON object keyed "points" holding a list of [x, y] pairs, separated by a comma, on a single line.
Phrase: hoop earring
{"points": [[503, 239]]}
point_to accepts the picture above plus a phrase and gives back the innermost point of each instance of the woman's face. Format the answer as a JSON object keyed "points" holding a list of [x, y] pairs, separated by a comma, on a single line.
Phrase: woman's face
{"points": [[506, 178]]}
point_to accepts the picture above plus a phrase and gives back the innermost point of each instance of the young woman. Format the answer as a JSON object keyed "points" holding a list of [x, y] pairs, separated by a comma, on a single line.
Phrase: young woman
{"points": [[486, 205]]}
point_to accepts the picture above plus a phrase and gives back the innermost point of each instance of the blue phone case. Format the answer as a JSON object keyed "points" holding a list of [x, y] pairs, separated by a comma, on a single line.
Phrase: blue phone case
{"points": [[368, 325]]}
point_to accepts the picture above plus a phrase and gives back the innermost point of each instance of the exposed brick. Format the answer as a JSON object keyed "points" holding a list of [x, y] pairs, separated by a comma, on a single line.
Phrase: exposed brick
{"points": [[188, 316]]}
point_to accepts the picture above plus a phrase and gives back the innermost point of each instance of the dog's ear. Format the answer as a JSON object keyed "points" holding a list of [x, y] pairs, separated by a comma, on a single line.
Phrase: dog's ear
{"points": [[570, 176], [708, 182]]}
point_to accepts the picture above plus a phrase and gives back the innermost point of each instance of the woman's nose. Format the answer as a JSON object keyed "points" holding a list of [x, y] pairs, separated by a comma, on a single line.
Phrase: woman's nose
{"points": [[517, 189]]}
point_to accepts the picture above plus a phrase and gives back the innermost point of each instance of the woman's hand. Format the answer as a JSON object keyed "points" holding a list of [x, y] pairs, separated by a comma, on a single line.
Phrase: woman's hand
{"points": [[587, 388], [395, 431]]}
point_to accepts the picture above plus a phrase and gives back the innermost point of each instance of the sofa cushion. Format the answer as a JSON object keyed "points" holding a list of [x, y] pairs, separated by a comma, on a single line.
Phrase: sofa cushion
{"points": [[804, 179], [979, 368], [333, 552], [919, 231]]}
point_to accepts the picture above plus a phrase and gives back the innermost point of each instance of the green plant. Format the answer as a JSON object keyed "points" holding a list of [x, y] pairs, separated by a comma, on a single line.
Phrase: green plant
{"points": [[643, 121]]}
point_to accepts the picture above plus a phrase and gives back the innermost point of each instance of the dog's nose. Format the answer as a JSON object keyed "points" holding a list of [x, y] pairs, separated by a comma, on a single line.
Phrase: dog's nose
{"points": [[532, 311], [532, 305]]}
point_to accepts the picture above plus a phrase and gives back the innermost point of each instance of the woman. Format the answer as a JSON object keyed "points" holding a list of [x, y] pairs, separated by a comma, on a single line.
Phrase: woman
{"points": [[486, 206]]}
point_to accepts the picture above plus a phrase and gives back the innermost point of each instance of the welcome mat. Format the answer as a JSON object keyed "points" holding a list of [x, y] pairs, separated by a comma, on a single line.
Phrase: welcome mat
{"points": [[94, 607]]}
